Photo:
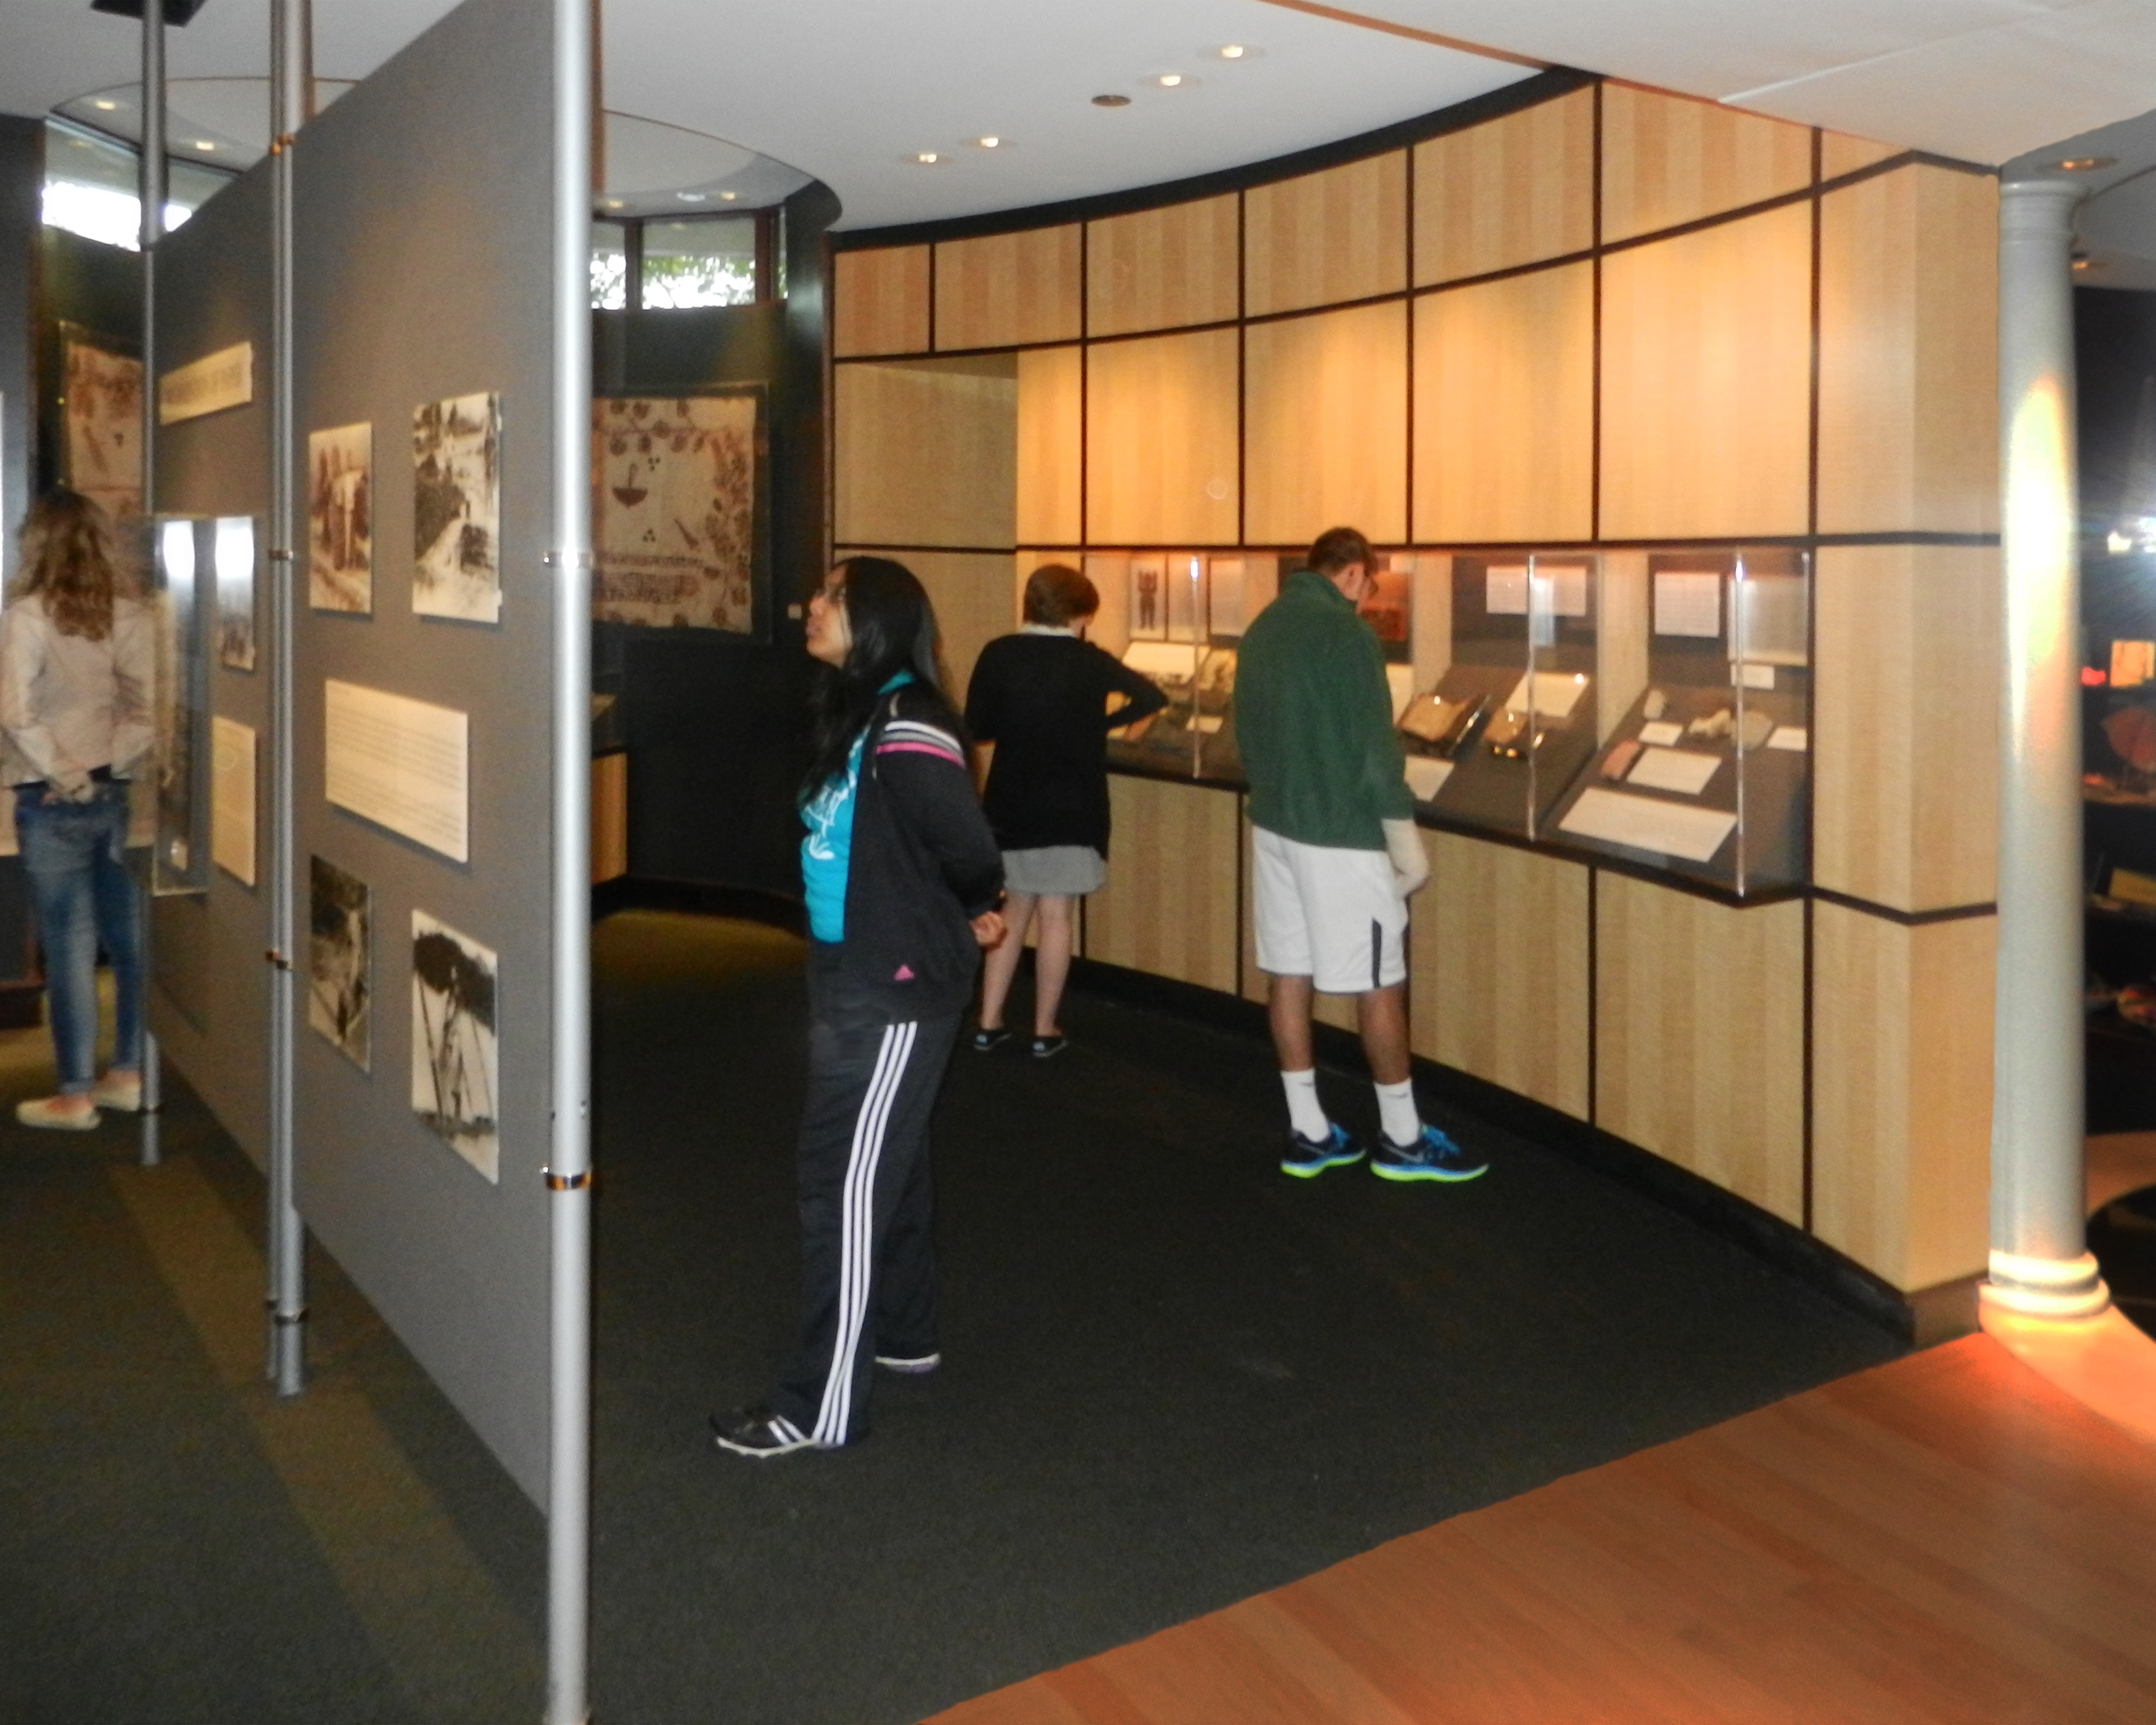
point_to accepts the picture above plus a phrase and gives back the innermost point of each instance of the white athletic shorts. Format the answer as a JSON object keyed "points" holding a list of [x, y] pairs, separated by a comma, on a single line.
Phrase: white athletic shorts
{"points": [[1332, 915]]}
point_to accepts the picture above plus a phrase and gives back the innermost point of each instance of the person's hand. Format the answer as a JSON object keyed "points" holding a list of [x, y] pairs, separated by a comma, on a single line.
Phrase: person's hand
{"points": [[1410, 861], [989, 928]]}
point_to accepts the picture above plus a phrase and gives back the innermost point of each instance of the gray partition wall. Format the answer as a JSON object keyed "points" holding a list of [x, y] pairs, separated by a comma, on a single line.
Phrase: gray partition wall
{"points": [[425, 266], [210, 1003]]}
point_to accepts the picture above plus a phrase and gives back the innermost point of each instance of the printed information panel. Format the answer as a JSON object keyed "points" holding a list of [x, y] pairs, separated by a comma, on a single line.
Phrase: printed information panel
{"points": [[404, 764]]}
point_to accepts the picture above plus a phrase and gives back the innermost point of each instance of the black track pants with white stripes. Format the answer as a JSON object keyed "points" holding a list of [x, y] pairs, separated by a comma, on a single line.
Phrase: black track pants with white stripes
{"points": [[868, 1263]]}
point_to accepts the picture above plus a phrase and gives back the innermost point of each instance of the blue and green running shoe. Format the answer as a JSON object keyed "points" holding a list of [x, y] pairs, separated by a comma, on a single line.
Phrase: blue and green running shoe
{"points": [[1312, 1156], [1432, 1157]]}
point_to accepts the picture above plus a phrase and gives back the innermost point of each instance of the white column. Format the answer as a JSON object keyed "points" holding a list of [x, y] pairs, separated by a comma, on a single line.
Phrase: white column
{"points": [[2039, 1261]]}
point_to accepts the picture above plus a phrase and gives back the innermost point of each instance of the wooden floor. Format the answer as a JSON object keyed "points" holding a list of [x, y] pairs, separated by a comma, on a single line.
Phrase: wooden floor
{"points": [[1946, 1538]]}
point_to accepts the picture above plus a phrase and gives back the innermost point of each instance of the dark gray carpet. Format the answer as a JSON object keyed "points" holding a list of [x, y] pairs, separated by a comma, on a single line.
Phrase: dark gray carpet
{"points": [[1174, 1376]]}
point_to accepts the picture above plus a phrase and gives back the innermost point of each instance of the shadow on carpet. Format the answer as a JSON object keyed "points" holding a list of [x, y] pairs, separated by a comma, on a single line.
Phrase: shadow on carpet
{"points": [[1173, 1378]]}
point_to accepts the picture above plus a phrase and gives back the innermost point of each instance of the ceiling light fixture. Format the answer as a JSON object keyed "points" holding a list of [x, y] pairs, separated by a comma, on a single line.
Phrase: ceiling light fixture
{"points": [[103, 106], [614, 204], [989, 143], [729, 196], [204, 144], [2085, 164], [929, 158], [1169, 80], [1111, 102], [1234, 51]]}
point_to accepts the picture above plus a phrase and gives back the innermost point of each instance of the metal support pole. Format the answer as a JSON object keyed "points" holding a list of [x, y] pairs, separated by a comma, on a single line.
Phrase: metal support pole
{"points": [[152, 197], [2039, 1261], [290, 34], [569, 1176]]}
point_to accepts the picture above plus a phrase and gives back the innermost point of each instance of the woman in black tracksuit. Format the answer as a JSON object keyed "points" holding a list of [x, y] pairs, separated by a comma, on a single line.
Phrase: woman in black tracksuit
{"points": [[902, 878]]}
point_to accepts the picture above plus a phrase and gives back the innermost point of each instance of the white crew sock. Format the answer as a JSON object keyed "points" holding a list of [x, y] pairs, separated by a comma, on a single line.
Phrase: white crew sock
{"points": [[1396, 1112], [1305, 1113]]}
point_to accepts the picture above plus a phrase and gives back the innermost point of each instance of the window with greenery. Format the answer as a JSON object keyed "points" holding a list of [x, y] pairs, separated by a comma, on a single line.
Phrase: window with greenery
{"points": [[675, 263]]}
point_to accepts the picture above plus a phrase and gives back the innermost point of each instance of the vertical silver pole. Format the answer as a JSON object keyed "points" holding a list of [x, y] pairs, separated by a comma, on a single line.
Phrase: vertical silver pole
{"points": [[289, 36], [153, 189], [568, 1175], [2039, 1261]]}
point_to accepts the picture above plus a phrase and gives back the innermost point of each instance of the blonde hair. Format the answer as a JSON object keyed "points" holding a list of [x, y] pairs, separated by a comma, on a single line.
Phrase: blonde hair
{"points": [[68, 557]]}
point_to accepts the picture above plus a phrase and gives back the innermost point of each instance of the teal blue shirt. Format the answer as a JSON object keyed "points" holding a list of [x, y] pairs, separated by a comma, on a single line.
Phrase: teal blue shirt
{"points": [[827, 851]]}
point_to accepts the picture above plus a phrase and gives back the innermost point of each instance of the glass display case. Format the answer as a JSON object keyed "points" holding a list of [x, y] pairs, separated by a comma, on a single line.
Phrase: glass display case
{"points": [[183, 563], [1708, 772], [1182, 613], [1498, 697]]}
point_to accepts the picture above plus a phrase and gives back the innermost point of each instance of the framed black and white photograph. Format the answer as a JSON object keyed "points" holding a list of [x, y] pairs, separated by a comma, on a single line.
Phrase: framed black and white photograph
{"points": [[340, 519], [455, 1058], [678, 511], [340, 960], [456, 508], [1148, 613], [232, 557]]}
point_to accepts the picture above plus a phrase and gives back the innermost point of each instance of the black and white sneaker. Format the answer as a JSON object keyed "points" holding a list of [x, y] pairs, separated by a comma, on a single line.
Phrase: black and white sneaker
{"points": [[759, 1432], [987, 1041], [916, 1365]]}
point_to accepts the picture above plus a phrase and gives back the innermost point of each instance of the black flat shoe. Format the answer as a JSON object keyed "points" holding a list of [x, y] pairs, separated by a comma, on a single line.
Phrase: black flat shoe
{"points": [[1045, 1046], [987, 1041]]}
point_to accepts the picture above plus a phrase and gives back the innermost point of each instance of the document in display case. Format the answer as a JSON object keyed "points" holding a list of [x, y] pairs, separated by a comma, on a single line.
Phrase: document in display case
{"points": [[1708, 774]]}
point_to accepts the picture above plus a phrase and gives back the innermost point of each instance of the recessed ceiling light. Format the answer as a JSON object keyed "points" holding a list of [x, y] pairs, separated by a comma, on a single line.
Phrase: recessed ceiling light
{"points": [[2085, 164], [614, 204], [692, 197], [204, 144], [989, 143], [1111, 102], [1234, 51], [103, 106], [729, 196], [929, 158], [1169, 80]]}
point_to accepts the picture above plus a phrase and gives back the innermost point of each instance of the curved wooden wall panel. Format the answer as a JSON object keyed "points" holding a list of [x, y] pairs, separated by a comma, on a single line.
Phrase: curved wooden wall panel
{"points": [[1170, 904], [1160, 447], [1707, 381], [1515, 191], [1051, 421], [1842, 152], [1667, 160], [880, 302], [1159, 269], [926, 452], [973, 596], [1010, 290], [1325, 410], [1326, 237], [1908, 420], [1504, 409]]}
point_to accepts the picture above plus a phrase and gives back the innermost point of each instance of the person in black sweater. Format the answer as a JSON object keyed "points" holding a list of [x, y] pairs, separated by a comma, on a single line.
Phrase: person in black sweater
{"points": [[1047, 698], [901, 876]]}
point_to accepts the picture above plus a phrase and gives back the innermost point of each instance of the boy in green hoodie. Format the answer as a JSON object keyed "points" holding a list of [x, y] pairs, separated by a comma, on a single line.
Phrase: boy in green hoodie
{"points": [[1335, 854]]}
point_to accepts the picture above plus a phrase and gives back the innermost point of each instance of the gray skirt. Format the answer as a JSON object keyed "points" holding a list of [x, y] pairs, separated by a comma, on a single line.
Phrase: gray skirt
{"points": [[1055, 870]]}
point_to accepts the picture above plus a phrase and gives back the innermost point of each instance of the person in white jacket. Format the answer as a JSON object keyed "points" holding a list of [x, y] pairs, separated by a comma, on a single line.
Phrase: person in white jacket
{"points": [[77, 659]]}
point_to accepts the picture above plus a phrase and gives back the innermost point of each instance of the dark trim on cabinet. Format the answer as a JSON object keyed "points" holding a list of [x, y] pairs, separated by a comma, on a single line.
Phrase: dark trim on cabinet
{"points": [[1907, 919], [1528, 93]]}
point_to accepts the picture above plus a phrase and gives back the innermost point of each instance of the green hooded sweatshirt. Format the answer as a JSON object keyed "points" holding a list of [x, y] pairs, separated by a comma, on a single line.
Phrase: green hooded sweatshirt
{"points": [[1314, 721]]}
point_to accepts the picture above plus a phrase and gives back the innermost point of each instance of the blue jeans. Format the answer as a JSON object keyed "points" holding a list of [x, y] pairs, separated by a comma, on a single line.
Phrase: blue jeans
{"points": [[83, 896]]}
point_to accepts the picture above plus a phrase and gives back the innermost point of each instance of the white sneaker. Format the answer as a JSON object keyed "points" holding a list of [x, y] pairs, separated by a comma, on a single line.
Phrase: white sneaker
{"points": [[49, 1111], [120, 1091]]}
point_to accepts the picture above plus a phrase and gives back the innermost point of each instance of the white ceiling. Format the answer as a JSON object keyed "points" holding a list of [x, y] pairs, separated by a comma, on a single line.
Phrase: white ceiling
{"points": [[850, 91]]}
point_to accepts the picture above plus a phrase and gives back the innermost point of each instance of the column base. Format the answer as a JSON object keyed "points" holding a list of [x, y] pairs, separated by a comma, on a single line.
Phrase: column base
{"points": [[2046, 1287]]}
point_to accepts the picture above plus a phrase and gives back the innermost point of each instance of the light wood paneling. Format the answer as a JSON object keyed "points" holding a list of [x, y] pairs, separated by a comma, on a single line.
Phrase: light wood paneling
{"points": [[1908, 354], [1904, 727], [1670, 159], [972, 594], [880, 301], [1160, 267], [1840, 153], [1432, 647], [1324, 238], [1944, 1537], [1504, 409], [1700, 1036], [1621, 618], [1707, 381], [1901, 1092], [1500, 972], [1160, 432], [609, 817], [926, 452], [1169, 906], [1324, 414], [1511, 191], [1051, 421], [1008, 290]]}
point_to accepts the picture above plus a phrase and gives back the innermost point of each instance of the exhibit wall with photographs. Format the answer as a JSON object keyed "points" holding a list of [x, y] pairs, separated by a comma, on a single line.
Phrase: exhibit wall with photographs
{"points": [[210, 999], [422, 689], [1675, 426]]}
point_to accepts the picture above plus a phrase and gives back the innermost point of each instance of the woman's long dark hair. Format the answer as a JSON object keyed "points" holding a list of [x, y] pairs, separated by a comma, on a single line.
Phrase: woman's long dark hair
{"points": [[893, 629], [68, 556]]}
